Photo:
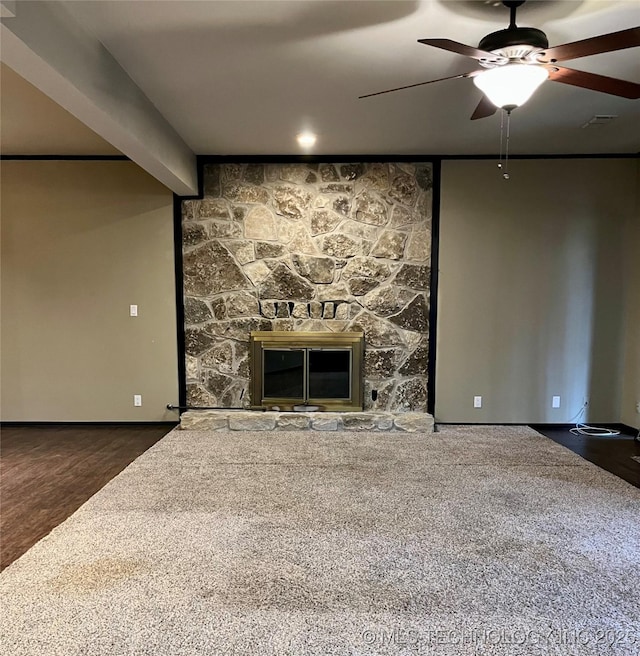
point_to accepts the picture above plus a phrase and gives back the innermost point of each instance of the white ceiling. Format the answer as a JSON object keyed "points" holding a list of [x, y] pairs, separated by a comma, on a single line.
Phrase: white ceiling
{"points": [[242, 78]]}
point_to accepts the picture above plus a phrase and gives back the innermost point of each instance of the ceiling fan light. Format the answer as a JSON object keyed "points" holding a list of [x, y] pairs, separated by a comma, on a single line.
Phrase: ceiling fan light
{"points": [[510, 85]]}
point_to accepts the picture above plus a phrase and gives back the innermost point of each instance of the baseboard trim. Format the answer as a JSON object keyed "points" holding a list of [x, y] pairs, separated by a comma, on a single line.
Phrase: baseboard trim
{"points": [[631, 429], [18, 424], [481, 423], [623, 428]]}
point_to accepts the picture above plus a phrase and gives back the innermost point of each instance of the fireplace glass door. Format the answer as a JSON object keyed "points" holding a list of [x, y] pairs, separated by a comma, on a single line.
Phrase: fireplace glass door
{"points": [[289, 368], [329, 373], [284, 373]]}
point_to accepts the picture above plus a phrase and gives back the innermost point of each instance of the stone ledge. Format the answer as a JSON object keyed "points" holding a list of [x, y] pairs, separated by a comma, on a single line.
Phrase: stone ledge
{"points": [[255, 420]]}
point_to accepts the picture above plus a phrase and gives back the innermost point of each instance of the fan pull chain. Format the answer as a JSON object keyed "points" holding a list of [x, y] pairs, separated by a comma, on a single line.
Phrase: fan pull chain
{"points": [[505, 175], [501, 135], [504, 165]]}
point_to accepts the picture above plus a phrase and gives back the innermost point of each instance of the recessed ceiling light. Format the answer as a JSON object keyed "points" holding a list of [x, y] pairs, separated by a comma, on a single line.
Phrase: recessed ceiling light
{"points": [[306, 139]]}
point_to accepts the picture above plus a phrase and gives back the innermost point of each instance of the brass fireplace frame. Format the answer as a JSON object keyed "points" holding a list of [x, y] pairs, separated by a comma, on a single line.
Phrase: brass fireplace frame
{"points": [[261, 340]]}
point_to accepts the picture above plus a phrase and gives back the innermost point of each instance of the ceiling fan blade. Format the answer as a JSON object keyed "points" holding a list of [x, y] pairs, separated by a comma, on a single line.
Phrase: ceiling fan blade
{"points": [[485, 108], [419, 84], [609, 85], [593, 46], [461, 49]]}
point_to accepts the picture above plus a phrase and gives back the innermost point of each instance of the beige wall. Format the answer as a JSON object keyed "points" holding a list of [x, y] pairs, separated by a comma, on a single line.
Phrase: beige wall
{"points": [[532, 289], [630, 408], [81, 241]]}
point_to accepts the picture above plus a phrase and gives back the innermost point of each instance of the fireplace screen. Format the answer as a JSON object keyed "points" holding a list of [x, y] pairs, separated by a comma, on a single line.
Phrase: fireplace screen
{"points": [[323, 369]]}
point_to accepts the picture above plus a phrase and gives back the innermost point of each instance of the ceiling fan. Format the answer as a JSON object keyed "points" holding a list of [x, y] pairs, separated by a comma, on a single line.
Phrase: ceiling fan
{"points": [[516, 61]]}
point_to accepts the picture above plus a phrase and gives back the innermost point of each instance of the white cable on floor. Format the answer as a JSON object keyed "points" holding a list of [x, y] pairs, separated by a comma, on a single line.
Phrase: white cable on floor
{"points": [[593, 431], [583, 429]]}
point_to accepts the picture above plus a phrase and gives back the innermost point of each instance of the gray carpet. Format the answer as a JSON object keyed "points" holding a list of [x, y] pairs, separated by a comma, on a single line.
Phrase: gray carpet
{"points": [[473, 540]]}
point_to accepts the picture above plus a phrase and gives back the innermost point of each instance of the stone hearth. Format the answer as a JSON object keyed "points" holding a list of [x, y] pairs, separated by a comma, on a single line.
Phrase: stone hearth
{"points": [[225, 420], [309, 247]]}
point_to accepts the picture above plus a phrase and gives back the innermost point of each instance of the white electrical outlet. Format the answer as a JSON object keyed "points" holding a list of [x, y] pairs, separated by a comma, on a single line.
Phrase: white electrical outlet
{"points": [[137, 400], [477, 401], [555, 401], [133, 310], [638, 407]]}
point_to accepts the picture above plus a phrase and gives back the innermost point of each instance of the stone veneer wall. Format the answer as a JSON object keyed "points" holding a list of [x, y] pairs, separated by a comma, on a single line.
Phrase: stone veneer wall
{"points": [[309, 246]]}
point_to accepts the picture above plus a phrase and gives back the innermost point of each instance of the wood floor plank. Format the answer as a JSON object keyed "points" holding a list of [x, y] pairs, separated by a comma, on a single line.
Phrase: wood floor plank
{"points": [[611, 453], [48, 471]]}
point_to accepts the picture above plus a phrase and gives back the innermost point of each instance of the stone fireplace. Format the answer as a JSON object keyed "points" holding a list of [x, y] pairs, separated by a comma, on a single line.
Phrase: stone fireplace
{"points": [[309, 247]]}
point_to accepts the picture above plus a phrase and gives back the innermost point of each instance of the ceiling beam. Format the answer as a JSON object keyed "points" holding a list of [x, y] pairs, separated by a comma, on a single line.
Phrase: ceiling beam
{"points": [[47, 46], [7, 8]]}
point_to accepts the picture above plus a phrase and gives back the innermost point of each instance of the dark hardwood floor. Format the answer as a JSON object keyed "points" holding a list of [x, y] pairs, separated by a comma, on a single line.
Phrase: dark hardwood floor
{"points": [[611, 453], [48, 471]]}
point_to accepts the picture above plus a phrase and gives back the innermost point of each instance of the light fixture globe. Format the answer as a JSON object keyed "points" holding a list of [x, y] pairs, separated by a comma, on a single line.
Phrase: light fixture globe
{"points": [[511, 85]]}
